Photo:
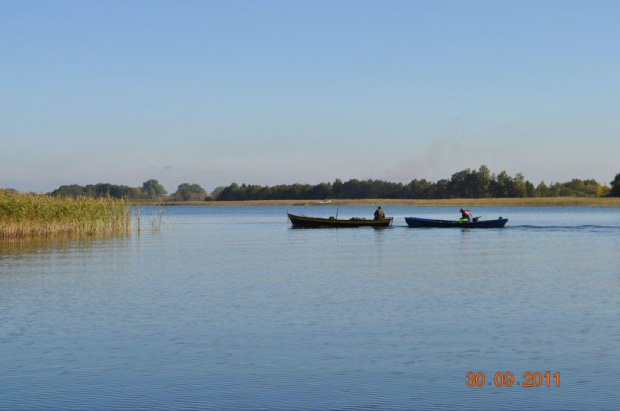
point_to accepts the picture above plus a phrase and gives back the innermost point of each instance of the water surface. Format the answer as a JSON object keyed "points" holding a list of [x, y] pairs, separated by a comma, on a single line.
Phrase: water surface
{"points": [[231, 308]]}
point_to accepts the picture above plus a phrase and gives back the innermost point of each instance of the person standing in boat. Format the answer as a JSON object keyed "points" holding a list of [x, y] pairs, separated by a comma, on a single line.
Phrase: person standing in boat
{"points": [[379, 214], [466, 216]]}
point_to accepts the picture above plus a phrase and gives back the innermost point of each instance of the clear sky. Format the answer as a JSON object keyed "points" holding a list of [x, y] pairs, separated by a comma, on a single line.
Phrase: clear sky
{"points": [[271, 92]]}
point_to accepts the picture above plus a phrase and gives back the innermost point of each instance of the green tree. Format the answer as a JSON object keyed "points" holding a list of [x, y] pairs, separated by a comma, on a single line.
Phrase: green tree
{"points": [[72, 190], [461, 184], [189, 192], [530, 189], [501, 185], [542, 190], [481, 180], [337, 188], [615, 187], [152, 189], [231, 193], [215, 194], [322, 191], [440, 189], [418, 189], [519, 187]]}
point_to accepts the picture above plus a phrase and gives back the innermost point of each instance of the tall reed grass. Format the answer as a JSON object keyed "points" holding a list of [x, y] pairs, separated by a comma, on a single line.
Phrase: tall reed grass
{"points": [[37, 215]]}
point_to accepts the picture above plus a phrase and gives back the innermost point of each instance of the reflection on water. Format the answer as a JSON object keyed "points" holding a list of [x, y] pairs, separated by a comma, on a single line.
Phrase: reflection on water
{"points": [[230, 308], [23, 248]]}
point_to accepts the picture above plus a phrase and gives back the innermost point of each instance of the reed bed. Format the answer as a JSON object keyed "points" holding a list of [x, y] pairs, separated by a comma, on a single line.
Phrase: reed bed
{"points": [[37, 215]]}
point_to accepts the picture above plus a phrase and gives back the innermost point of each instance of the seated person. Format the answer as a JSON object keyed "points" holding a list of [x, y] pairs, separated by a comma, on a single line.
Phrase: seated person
{"points": [[466, 216], [379, 214]]}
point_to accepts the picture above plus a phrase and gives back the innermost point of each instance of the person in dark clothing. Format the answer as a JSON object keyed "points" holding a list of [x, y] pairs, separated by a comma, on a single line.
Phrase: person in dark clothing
{"points": [[379, 214]]}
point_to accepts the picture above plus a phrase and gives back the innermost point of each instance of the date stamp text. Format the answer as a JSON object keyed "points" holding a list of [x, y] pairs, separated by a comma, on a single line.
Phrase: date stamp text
{"points": [[507, 379]]}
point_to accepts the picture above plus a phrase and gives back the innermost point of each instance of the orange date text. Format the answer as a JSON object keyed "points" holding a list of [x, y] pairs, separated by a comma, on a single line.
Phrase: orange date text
{"points": [[507, 379]]}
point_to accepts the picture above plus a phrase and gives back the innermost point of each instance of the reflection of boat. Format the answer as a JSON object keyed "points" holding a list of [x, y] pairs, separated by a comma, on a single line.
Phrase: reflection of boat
{"points": [[316, 222], [427, 222]]}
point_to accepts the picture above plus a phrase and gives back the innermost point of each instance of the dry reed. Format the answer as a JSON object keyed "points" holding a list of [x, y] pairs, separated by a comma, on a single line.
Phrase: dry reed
{"points": [[36, 215]]}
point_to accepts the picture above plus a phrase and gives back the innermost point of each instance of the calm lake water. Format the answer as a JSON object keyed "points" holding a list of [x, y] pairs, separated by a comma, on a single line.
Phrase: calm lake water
{"points": [[231, 308]]}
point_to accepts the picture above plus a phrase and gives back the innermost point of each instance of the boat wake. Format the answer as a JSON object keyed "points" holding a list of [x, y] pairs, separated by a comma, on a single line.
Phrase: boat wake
{"points": [[583, 227], [548, 228]]}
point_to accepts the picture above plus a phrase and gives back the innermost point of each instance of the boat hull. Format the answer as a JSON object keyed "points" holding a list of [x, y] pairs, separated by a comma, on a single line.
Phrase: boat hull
{"points": [[299, 221], [429, 223]]}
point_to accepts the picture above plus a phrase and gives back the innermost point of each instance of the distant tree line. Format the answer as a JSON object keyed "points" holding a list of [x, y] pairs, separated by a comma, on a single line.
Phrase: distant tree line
{"points": [[150, 190], [467, 183], [98, 190]]}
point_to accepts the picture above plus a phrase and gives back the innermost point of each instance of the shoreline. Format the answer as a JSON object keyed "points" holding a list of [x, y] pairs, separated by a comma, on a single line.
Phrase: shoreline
{"points": [[612, 202]]}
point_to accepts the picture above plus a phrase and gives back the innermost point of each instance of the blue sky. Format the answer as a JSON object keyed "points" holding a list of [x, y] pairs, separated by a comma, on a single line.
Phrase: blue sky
{"points": [[270, 92]]}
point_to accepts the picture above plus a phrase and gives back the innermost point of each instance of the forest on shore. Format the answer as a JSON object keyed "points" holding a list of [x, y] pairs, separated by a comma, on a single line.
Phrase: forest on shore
{"points": [[468, 183]]}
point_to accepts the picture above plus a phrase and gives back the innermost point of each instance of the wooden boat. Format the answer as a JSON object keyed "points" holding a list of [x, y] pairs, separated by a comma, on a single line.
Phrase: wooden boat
{"points": [[316, 222], [427, 223]]}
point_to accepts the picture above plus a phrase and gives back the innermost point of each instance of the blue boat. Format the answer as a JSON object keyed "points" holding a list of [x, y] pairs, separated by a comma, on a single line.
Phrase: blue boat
{"points": [[429, 223]]}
